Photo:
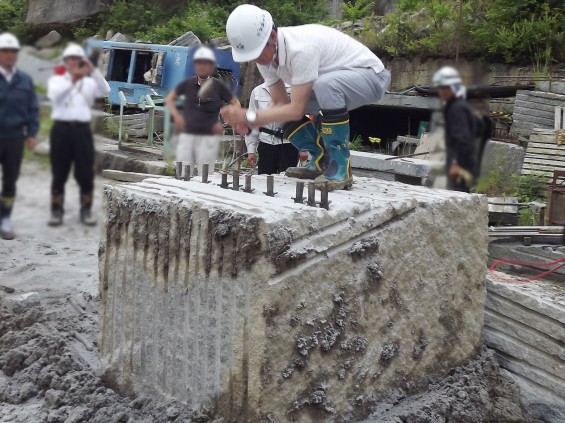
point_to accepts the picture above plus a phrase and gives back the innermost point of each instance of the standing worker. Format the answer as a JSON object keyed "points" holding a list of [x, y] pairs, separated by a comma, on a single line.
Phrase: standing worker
{"points": [[329, 72], [199, 124], [72, 95], [19, 123], [461, 127], [276, 154]]}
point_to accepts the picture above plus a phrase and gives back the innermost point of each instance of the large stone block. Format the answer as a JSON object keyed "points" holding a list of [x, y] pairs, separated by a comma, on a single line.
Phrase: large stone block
{"points": [[267, 310]]}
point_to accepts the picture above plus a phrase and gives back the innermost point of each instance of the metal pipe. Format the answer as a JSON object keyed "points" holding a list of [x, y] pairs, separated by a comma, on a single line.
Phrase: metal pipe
{"points": [[299, 198], [205, 170], [224, 183], [178, 170], [324, 202], [311, 194], [247, 187], [187, 172], [235, 178], [270, 186]]}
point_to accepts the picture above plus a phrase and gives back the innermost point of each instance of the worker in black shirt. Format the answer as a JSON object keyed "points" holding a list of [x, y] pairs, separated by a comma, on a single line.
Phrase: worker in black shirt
{"points": [[460, 130], [19, 123], [199, 124]]}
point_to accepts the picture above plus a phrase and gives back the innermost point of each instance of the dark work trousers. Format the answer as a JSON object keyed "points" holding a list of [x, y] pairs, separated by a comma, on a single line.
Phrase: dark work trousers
{"points": [[11, 155], [72, 143], [276, 158]]}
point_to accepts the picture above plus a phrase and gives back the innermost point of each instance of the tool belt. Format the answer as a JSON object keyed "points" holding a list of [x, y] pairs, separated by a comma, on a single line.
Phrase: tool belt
{"points": [[277, 132]]}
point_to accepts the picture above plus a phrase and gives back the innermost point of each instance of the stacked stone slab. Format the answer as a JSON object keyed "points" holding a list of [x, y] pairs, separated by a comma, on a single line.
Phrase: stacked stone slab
{"points": [[266, 310], [525, 324], [534, 109]]}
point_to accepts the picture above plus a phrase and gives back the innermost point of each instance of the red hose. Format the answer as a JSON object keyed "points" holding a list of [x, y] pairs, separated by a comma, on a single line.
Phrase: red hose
{"points": [[536, 264]]}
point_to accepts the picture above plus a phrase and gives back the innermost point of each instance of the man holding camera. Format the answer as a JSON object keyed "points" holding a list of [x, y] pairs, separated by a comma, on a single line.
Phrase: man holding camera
{"points": [[72, 94]]}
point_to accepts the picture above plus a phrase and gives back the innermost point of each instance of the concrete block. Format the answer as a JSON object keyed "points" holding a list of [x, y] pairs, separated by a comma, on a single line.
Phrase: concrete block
{"points": [[262, 309], [525, 325]]}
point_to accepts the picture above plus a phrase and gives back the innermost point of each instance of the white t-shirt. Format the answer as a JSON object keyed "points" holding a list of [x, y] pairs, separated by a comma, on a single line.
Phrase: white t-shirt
{"points": [[308, 51]]}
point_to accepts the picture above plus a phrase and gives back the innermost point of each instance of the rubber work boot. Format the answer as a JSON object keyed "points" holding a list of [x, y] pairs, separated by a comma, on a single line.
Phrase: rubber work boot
{"points": [[6, 230], [56, 211], [335, 132], [304, 136], [85, 210]]}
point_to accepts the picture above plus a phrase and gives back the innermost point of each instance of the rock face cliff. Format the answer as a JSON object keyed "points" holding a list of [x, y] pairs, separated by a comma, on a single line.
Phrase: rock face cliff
{"points": [[61, 12]]}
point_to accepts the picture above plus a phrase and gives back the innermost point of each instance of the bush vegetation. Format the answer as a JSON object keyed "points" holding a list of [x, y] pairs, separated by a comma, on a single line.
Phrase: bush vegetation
{"points": [[509, 31]]}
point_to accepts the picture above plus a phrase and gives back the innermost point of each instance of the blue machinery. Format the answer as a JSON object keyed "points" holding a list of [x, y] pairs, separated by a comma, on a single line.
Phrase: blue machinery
{"points": [[141, 75]]}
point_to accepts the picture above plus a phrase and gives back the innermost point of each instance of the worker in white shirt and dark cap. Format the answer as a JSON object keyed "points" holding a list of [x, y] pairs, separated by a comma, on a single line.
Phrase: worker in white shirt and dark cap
{"points": [[71, 142], [276, 154], [19, 123], [330, 74]]}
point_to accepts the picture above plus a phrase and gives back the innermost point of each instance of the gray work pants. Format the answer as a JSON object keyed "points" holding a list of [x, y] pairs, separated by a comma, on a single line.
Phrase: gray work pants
{"points": [[348, 88]]}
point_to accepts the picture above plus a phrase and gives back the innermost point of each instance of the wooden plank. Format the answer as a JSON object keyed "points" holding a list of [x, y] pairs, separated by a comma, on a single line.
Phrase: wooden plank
{"points": [[547, 151], [545, 162], [541, 131], [558, 160]]}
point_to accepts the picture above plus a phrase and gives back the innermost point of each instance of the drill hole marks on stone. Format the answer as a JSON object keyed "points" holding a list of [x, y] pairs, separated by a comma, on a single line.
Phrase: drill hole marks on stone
{"points": [[270, 186]]}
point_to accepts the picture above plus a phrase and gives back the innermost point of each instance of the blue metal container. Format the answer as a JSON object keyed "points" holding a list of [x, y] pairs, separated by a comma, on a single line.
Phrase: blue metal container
{"points": [[128, 63]]}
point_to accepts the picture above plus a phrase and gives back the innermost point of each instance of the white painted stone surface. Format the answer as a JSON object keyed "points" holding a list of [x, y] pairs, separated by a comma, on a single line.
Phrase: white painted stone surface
{"points": [[379, 162], [525, 324], [263, 309]]}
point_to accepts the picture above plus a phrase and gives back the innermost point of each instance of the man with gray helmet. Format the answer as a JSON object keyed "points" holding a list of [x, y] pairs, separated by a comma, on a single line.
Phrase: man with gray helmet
{"points": [[72, 95], [199, 123], [330, 74], [19, 123]]}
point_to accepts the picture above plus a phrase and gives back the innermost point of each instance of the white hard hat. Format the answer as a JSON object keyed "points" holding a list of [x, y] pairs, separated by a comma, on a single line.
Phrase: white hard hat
{"points": [[248, 30], [9, 42], [204, 53], [73, 50], [446, 76]]}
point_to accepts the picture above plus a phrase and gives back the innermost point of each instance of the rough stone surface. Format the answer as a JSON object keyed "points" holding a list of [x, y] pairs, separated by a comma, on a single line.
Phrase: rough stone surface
{"points": [[49, 40], [503, 157], [60, 12], [379, 162], [266, 310], [118, 37], [26, 301], [525, 325]]}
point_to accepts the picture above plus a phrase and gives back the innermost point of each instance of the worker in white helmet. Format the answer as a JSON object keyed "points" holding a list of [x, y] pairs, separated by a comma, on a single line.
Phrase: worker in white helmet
{"points": [[71, 142], [19, 123], [199, 123], [329, 72], [461, 128]]}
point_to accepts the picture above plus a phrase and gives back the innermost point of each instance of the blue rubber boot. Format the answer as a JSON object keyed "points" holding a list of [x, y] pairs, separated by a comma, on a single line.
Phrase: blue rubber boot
{"points": [[304, 136], [335, 133]]}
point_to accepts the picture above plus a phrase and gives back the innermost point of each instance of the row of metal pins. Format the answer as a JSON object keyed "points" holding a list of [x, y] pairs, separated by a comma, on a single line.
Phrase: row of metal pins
{"points": [[187, 174], [299, 198]]}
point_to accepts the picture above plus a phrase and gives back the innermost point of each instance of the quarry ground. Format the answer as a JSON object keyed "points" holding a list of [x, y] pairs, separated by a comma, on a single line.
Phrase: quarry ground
{"points": [[48, 350]]}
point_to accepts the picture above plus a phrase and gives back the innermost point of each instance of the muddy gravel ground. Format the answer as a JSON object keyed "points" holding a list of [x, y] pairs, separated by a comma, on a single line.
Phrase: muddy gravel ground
{"points": [[48, 340]]}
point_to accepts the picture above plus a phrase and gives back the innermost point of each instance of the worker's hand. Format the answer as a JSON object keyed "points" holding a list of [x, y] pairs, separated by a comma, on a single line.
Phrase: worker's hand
{"points": [[179, 122], [303, 156], [242, 129], [218, 129], [31, 143], [252, 159], [81, 71], [234, 115], [454, 170]]}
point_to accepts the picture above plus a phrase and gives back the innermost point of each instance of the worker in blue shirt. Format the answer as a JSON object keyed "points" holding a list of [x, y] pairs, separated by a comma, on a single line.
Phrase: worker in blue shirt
{"points": [[19, 123]]}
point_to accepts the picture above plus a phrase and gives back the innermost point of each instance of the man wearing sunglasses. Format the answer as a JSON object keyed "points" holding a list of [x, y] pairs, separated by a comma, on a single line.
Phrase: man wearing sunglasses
{"points": [[199, 123]]}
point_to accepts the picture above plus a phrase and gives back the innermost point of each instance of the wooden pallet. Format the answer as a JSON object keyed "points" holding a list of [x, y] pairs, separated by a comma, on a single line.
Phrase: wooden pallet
{"points": [[543, 155]]}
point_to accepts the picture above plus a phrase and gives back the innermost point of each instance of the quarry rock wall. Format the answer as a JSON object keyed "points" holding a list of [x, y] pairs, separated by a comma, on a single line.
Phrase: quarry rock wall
{"points": [[266, 310]]}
